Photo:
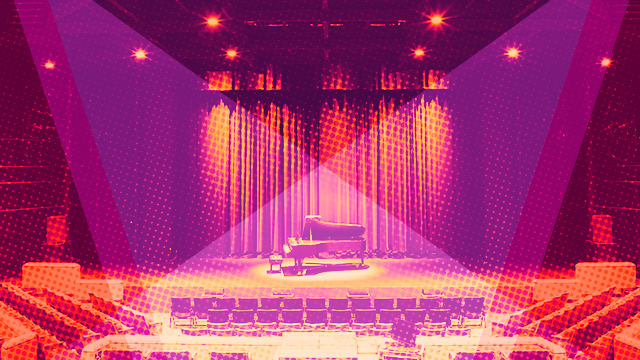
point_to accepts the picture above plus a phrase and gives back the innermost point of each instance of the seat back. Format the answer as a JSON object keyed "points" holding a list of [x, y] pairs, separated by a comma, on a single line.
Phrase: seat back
{"points": [[415, 315], [121, 355], [365, 316], [267, 316], [225, 303], [218, 316], [248, 304], [360, 303], [316, 303], [473, 305], [180, 305], [203, 304], [406, 303], [440, 316], [529, 355], [242, 316], [270, 303], [452, 303], [479, 355], [292, 316], [292, 303], [388, 316], [340, 317], [338, 304], [315, 316], [430, 302], [229, 356], [168, 355], [383, 303]]}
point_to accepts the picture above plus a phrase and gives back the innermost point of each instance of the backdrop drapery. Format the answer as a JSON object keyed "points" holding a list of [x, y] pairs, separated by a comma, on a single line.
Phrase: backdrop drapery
{"points": [[262, 170]]}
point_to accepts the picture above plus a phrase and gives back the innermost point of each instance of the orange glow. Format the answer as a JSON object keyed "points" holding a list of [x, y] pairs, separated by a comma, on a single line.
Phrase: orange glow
{"points": [[212, 21], [513, 53], [49, 65], [231, 53], [605, 62], [140, 54], [419, 52], [436, 20]]}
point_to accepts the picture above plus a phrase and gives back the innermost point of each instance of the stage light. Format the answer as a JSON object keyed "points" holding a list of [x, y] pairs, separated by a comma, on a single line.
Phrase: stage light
{"points": [[140, 54], [49, 65], [436, 20], [513, 53], [605, 62], [418, 52], [212, 21], [231, 53]]}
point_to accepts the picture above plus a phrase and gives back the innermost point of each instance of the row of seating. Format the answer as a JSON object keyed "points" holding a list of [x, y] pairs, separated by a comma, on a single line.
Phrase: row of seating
{"points": [[92, 319], [593, 327], [166, 355], [59, 325], [45, 339], [137, 322], [190, 310], [531, 314], [568, 315]]}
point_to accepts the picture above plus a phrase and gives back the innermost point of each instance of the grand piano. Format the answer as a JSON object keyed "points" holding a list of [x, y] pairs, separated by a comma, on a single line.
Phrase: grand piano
{"points": [[320, 236]]}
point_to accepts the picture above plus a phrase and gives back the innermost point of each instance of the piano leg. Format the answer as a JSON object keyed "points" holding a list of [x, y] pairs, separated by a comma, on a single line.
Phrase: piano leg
{"points": [[361, 258], [299, 266]]}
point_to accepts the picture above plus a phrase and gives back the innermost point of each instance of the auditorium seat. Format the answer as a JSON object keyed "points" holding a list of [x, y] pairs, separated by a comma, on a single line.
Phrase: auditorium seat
{"points": [[364, 318], [293, 303], [316, 317], [340, 319], [360, 303], [271, 303], [527, 355], [473, 311], [226, 303], [406, 303], [383, 303], [229, 356], [452, 303], [218, 318], [440, 316], [121, 355], [180, 311], [476, 355], [195, 331], [416, 316], [433, 329], [457, 330], [316, 303], [242, 318], [248, 304], [168, 355], [266, 318], [292, 316], [222, 332], [338, 304], [387, 316], [431, 302], [201, 307]]}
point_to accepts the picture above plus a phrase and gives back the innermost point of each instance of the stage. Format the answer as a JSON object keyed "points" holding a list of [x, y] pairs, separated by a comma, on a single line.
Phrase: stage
{"points": [[383, 278]]}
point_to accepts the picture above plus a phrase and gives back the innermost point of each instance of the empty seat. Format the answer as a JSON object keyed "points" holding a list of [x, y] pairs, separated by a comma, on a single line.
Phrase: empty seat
{"points": [[430, 302], [121, 355], [528, 355], [248, 304], [201, 307], [388, 316], [440, 316], [229, 356], [360, 303], [225, 303], [180, 311], [168, 355], [242, 316], [364, 317], [458, 331], [383, 303], [477, 355], [267, 316], [316, 303], [453, 303], [292, 303], [416, 316], [315, 316], [406, 303], [218, 316], [271, 303], [340, 317], [292, 316], [338, 304]]}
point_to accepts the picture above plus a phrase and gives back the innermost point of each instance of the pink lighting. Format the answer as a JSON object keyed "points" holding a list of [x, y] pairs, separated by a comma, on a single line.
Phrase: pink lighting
{"points": [[513, 53], [49, 65], [213, 21], [140, 54], [605, 62], [231, 53], [436, 20], [418, 52]]}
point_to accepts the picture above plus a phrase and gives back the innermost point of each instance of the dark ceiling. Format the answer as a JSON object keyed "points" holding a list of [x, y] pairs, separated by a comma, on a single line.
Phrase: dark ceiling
{"points": [[305, 35]]}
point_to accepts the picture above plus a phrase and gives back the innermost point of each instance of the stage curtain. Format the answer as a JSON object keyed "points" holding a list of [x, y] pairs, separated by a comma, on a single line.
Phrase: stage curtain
{"points": [[262, 170]]}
